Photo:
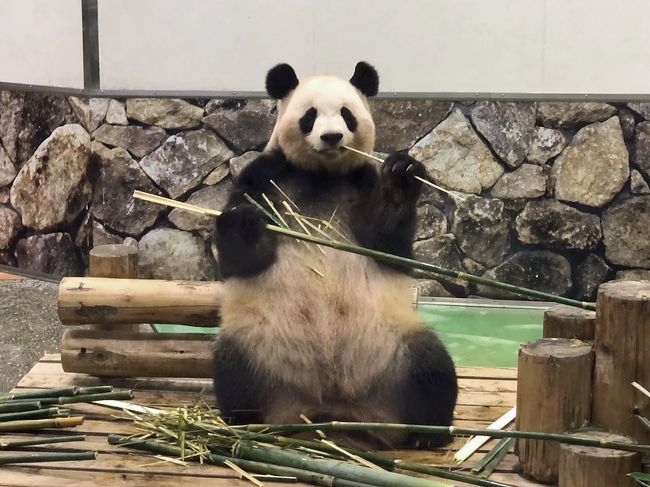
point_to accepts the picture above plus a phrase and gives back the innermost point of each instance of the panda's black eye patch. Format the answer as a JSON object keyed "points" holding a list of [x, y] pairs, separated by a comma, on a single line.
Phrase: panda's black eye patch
{"points": [[306, 122], [350, 120]]}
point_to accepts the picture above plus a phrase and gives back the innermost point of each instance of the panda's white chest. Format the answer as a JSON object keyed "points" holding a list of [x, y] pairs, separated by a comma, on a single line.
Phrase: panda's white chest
{"points": [[320, 318]]}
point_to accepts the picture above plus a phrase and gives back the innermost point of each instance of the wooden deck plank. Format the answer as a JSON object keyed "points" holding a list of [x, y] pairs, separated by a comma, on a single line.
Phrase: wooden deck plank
{"points": [[485, 394]]}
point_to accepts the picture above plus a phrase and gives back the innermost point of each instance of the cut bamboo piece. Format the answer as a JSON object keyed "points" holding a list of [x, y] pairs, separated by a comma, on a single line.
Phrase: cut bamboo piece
{"points": [[553, 396], [583, 466], [115, 261], [622, 348], [116, 354], [84, 300], [563, 321]]}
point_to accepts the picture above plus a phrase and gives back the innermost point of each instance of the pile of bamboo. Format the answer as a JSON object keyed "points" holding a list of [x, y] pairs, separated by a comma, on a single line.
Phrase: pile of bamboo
{"points": [[40, 410], [588, 371]]}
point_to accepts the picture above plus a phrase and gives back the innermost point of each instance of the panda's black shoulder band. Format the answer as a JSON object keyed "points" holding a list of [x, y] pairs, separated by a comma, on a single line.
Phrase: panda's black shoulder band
{"points": [[365, 79], [280, 81]]}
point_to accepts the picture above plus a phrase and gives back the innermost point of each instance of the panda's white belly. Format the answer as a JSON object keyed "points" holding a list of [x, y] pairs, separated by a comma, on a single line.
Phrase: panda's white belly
{"points": [[322, 320]]}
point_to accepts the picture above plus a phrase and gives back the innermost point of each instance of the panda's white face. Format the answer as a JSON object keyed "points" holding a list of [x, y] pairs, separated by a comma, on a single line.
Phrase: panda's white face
{"points": [[320, 116]]}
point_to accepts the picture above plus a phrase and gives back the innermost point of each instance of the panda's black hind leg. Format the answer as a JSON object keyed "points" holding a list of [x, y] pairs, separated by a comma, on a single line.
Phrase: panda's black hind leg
{"points": [[240, 392], [430, 389]]}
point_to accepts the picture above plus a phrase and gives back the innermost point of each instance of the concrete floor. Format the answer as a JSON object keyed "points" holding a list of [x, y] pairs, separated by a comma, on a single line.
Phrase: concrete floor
{"points": [[29, 327]]}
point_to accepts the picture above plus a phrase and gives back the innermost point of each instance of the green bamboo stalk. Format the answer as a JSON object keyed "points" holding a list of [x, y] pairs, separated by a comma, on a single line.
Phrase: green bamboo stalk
{"points": [[10, 445], [14, 406], [385, 257], [496, 460], [248, 465], [94, 390], [35, 414], [487, 458], [65, 391], [451, 430], [36, 424], [336, 468], [414, 264], [116, 395], [48, 457]]}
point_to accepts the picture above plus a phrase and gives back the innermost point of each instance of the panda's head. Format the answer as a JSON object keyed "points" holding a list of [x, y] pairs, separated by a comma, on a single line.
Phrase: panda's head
{"points": [[320, 114]]}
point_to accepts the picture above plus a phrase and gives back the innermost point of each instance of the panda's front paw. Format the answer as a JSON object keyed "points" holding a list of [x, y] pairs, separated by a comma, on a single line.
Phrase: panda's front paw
{"points": [[244, 223], [400, 172]]}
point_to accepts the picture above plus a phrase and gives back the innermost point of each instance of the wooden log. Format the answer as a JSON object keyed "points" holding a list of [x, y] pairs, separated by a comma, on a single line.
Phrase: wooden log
{"points": [[583, 466], [622, 347], [84, 300], [562, 321], [115, 354], [553, 396], [114, 260]]}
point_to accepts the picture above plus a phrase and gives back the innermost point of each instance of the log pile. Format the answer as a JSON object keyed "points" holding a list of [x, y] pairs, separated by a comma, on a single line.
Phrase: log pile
{"points": [[558, 388], [114, 305]]}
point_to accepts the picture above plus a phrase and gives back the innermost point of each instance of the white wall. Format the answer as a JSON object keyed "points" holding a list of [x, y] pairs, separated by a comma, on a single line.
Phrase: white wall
{"points": [[419, 46], [40, 42]]}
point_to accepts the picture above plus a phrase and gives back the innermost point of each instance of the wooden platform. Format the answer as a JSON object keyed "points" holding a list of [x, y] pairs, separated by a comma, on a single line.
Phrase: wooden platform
{"points": [[485, 394]]}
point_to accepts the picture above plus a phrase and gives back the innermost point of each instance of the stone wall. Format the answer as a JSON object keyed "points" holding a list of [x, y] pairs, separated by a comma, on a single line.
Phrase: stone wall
{"points": [[552, 196]]}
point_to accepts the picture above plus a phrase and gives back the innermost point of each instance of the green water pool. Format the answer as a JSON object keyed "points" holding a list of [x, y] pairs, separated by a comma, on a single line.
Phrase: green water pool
{"points": [[476, 335]]}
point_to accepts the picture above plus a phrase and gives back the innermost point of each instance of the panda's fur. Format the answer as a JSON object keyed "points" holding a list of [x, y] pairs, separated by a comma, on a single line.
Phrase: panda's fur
{"points": [[315, 331]]}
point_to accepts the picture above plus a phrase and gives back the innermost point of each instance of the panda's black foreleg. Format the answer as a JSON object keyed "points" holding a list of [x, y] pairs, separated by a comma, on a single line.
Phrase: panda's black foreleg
{"points": [[430, 388], [386, 220], [239, 390], [244, 246]]}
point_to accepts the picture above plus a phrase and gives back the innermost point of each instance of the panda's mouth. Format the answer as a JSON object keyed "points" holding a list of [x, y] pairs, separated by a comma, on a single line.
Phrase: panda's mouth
{"points": [[330, 151]]}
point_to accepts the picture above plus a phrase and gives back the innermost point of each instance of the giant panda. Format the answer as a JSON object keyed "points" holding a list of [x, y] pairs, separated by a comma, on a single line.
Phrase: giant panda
{"points": [[315, 331]]}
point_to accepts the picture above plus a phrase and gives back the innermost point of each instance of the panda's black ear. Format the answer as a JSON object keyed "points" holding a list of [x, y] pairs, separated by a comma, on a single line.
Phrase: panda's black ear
{"points": [[280, 80], [365, 79]]}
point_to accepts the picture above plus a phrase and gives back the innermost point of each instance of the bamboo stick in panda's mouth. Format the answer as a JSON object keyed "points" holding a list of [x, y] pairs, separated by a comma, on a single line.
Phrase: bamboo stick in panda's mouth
{"points": [[422, 180]]}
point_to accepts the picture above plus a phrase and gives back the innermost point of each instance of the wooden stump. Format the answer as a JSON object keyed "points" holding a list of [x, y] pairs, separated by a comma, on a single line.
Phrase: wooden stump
{"points": [[564, 321], [114, 260], [553, 396], [622, 347], [583, 466]]}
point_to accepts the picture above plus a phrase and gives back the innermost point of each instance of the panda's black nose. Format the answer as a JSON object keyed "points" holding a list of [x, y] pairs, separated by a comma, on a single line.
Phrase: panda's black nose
{"points": [[331, 138]]}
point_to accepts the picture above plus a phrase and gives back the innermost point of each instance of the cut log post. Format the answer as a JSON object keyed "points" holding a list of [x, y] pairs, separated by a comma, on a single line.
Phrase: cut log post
{"points": [[116, 261], [115, 354], [116, 302], [583, 466], [622, 347], [564, 321], [553, 396]]}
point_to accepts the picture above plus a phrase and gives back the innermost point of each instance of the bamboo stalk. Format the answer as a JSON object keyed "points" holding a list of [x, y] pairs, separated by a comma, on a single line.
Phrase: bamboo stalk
{"points": [[94, 390], [118, 395], [422, 180], [452, 430], [385, 257], [10, 445], [216, 459], [36, 424], [35, 395], [35, 414], [48, 457], [12, 406], [336, 468]]}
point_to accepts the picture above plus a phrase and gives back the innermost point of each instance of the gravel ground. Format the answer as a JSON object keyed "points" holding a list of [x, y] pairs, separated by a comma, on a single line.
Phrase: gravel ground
{"points": [[29, 327]]}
